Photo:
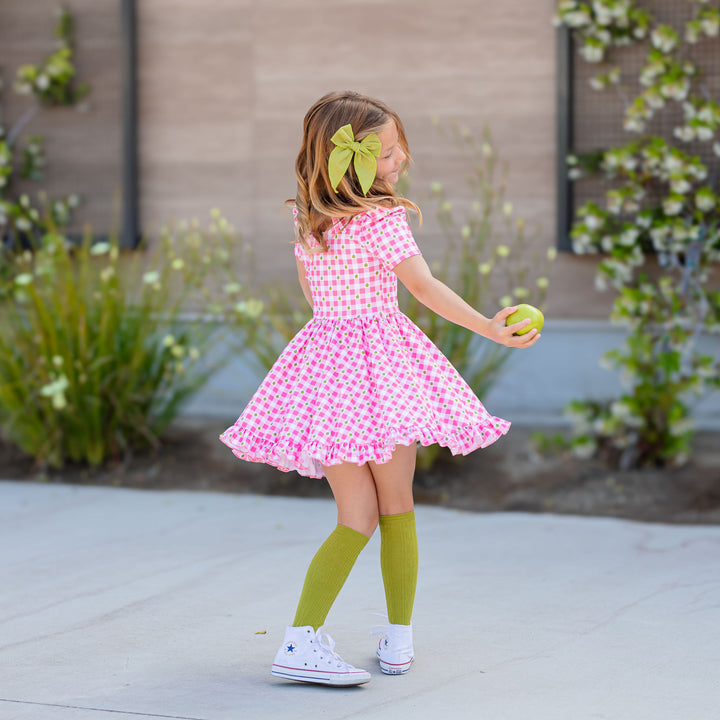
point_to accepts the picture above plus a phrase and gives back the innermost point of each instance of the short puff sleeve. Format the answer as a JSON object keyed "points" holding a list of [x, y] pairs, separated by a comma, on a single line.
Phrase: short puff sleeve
{"points": [[385, 233]]}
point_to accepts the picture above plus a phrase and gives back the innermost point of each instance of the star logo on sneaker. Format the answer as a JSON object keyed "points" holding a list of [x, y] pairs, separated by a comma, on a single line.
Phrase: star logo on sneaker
{"points": [[290, 648]]}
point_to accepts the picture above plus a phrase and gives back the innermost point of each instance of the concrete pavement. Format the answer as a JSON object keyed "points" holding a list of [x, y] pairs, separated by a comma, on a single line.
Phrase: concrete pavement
{"points": [[120, 603]]}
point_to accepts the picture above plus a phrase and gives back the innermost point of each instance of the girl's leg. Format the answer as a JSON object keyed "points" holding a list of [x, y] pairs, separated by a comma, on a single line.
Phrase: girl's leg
{"points": [[356, 499], [398, 544]]}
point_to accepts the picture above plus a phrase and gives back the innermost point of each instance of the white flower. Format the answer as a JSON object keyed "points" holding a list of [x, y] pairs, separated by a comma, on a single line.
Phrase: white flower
{"points": [[231, 288], [42, 82], [629, 163], [680, 234], [604, 37], [706, 114], [629, 237], [168, 340], [685, 133], [100, 248], [699, 172], [592, 53], [502, 250], [676, 90], [703, 132], [673, 164], [663, 39], [542, 282], [506, 301], [672, 207], [56, 391], [484, 268], [551, 253], [107, 274], [654, 100], [152, 277], [680, 186], [507, 209], [705, 201], [710, 26], [23, 279], [177, 264], [593, 222], [577, 19], [584, 449], [634, 124], [620, 410], [250, 308]]}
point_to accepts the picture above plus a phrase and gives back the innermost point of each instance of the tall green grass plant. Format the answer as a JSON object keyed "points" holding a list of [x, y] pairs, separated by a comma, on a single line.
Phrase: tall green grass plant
{"points": [[99, 349]]}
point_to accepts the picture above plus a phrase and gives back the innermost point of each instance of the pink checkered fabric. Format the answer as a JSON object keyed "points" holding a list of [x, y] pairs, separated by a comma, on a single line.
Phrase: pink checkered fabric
{"points": [[360, 377]]}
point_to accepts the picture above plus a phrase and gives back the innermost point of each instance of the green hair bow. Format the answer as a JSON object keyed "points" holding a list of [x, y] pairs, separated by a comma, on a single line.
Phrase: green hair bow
{"points": [[364, 153]]}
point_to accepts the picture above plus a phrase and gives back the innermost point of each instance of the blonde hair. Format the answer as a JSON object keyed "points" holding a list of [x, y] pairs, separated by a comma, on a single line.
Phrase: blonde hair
{"points": [[316, 202]]}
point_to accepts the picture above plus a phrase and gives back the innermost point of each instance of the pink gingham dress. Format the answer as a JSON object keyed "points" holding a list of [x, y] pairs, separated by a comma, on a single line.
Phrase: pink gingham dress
{"points": [[360, 377]]}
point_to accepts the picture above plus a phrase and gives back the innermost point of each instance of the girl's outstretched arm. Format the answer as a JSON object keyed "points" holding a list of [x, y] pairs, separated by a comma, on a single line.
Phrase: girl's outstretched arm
{"points": [[303, 282], [415, 275]]}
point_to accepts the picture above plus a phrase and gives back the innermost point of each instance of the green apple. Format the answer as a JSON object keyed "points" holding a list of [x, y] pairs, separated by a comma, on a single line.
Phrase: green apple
{"points": [[526, 311]]}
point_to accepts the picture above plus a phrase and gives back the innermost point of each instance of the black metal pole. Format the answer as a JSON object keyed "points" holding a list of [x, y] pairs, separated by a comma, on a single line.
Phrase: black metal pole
{"points": [[130, 232], [564, 137]]}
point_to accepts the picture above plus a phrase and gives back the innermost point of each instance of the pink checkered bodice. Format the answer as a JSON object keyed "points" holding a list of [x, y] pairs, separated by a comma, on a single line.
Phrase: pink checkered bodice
{"points": [[354, 277]]}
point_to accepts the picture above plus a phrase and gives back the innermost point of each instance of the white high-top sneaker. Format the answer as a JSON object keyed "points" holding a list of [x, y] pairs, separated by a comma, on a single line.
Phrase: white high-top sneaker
{"points": [[309, 656], [395, 649]]}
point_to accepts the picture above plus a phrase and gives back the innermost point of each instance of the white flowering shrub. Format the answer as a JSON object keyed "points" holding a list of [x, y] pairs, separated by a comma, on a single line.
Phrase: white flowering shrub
{"points": [[48, 84], [99, 349], [662, 202]]}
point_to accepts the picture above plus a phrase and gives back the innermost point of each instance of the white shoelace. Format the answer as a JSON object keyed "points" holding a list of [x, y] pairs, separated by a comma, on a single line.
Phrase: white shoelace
{"points": [[327, 644], [380, 629]]}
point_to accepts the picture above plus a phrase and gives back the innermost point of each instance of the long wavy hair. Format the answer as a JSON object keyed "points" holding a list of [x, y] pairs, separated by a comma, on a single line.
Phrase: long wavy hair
{"points": [[316, 202]]}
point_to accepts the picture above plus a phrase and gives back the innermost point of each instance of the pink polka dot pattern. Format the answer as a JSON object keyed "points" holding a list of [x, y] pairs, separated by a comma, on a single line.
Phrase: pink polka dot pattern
{"points": [[360, 377]]}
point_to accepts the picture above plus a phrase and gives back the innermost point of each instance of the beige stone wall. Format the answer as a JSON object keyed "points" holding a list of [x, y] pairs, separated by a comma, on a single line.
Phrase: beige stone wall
{"points": [[224, 86], [83, 146]]}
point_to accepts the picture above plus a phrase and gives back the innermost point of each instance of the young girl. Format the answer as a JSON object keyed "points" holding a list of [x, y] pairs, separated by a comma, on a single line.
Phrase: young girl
{"points": [[360, 385]]}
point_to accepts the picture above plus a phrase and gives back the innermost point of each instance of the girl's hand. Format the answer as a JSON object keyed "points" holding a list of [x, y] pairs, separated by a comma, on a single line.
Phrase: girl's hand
{"points": [[503, 334]]}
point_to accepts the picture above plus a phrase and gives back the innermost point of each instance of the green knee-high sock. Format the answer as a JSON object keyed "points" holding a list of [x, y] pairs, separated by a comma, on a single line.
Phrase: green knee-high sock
{"points": [[399, 563], [327, 574]]}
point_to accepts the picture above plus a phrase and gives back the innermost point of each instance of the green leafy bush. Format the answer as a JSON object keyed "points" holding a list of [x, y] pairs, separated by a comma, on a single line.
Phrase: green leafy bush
{"points": [[99, 349], [662, 202]]}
